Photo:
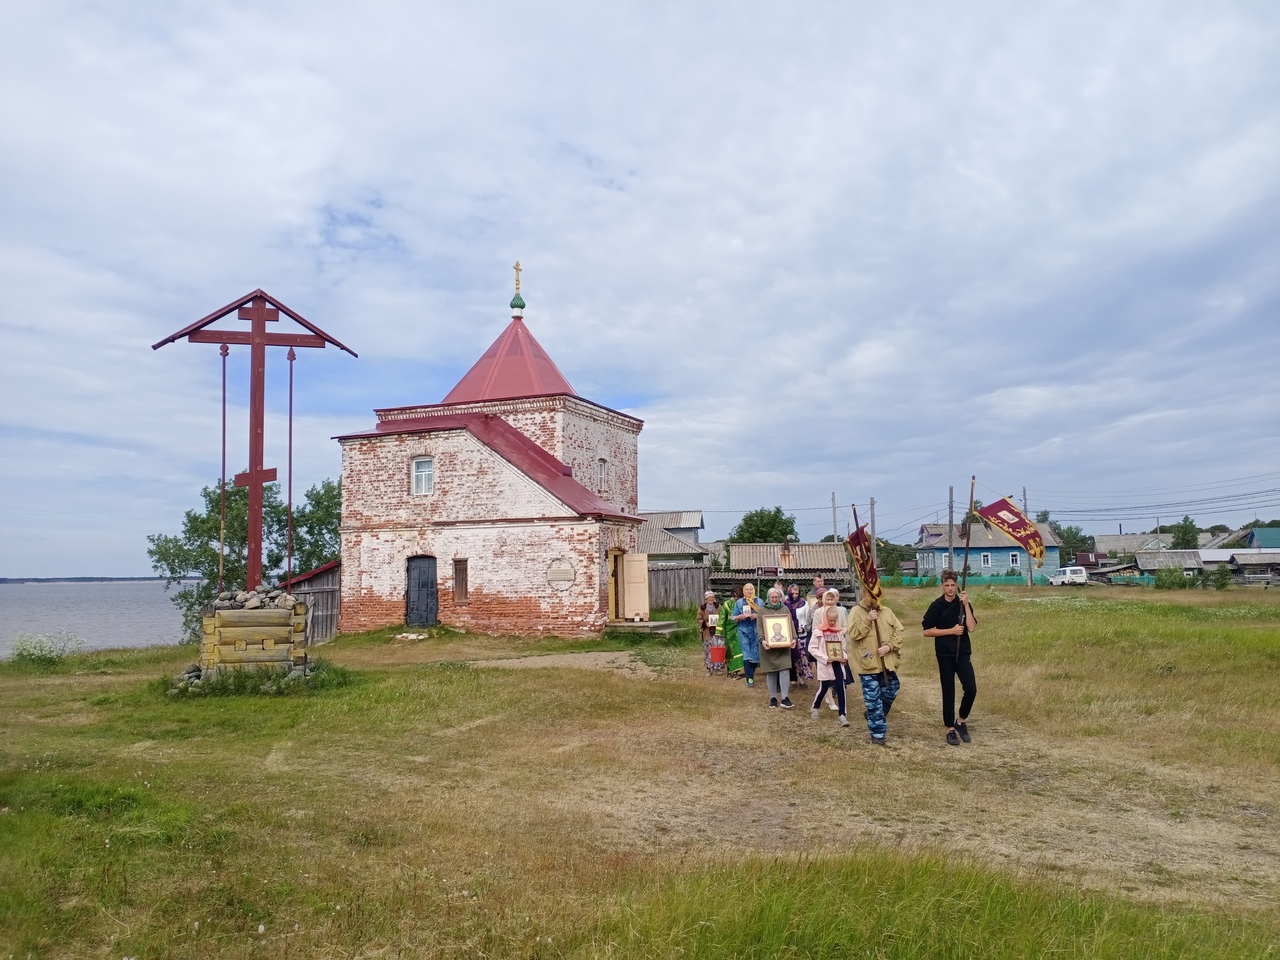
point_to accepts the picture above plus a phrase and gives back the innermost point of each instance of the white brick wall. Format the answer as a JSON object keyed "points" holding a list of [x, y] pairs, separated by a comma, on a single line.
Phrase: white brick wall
{"points": [[508, 528]]}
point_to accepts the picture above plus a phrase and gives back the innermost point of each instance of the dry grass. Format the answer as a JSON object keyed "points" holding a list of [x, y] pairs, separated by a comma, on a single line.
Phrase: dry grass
{"points": [[1125, 743]]}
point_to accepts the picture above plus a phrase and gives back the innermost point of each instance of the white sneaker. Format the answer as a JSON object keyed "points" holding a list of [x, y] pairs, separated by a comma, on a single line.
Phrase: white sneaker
{"points": [[832, 705], [815, 713], [844, 721]]}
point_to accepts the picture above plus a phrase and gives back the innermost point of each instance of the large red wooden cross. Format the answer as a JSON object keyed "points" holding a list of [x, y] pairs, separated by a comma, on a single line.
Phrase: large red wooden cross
{"points": [[259, 308]]}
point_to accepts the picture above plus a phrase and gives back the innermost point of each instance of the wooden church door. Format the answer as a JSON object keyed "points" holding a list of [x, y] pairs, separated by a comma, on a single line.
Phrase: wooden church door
{"points": [[423, 598]]}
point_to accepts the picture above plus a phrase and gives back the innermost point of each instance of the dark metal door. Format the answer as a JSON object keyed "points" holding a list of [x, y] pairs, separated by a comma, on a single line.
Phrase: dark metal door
{"points": [[423, 600]]}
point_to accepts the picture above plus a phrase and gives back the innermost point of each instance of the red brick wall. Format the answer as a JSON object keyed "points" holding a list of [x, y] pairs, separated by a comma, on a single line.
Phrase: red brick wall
{"points": [[507, 567]]}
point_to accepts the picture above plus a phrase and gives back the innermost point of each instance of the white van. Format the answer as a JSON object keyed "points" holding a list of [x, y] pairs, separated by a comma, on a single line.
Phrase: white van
{"points": [[1064, 576]]}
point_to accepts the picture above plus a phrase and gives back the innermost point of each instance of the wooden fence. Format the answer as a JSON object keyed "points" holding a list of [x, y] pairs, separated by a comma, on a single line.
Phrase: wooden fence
{"points": [[677, 585], [321, 592]]}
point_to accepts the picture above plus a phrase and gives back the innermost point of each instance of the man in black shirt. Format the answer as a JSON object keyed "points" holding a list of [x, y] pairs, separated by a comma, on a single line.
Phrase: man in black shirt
{"points": [[949, 620]]}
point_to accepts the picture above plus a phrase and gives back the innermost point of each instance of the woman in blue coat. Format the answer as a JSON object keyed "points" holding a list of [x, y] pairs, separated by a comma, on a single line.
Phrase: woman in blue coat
{"points": [[745, 614]]}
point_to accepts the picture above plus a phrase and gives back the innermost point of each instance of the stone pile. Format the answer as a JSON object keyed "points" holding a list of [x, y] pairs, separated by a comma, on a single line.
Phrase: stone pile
{"points": [[261, 597], [191, 681]]}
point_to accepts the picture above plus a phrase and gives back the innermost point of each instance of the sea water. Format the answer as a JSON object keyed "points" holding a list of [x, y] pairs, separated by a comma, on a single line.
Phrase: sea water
{"points": [[128, 613]]}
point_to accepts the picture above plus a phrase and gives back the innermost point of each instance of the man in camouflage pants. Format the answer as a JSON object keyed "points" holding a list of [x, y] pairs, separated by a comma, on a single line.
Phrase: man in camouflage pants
{"points": [[874, 640]]}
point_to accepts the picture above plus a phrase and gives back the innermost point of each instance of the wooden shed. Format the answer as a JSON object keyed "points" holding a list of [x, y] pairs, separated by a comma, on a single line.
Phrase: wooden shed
{"points": [[320, 588]]}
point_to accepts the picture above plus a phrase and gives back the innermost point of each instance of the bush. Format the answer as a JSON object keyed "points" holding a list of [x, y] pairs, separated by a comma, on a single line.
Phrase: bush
{"points": [[45, 649], [1221, 577], [1170, 579], [1013, 572]]}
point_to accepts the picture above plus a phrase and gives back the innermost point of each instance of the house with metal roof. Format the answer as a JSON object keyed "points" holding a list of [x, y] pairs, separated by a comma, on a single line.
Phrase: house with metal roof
{"points": [[508, 506], [992, 553], [1188, 561], [685, 524], [1256, 565], [1245, 564], [796, 560], [1263, 538], [1127, 544], [664, 546]]}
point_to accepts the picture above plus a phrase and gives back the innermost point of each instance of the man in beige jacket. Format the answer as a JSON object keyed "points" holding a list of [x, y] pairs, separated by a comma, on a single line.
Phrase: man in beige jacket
{"points": [[874, 641]]}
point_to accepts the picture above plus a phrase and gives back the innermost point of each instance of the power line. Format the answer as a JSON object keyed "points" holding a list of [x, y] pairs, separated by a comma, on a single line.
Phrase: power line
{"points": [[1238, 501]]}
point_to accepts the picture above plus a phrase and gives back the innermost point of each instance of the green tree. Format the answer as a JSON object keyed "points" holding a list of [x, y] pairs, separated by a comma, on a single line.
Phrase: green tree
{"points": [[1186, 535], [189, 561], [1221, 577], [1042, 516], [890, 556], [315, 526], [763, 526], [1073, 540]]}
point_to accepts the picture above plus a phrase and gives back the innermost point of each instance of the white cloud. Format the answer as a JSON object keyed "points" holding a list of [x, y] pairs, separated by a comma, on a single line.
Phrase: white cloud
{"points": [[901, 245]]}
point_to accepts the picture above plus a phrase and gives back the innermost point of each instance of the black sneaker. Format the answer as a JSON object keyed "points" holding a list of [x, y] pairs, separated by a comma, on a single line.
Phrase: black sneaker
{"points": [[773, 703], [786, 703], [963, 730], [953, 738]]}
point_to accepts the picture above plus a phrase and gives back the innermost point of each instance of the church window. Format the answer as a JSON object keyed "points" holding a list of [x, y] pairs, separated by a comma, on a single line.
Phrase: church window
{"points": [[459, 581], [424, 475], [602, 469]]}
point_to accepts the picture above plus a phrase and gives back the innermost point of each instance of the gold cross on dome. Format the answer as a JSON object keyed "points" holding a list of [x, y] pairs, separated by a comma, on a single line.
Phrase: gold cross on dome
{"points": [[517, 269]]}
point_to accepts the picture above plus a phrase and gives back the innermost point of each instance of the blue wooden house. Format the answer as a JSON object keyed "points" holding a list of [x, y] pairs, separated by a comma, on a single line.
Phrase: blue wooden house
{"points": [[991, 552]]}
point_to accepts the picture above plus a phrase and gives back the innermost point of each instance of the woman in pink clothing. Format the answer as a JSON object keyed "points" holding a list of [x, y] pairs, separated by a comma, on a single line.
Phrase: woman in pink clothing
{"points": [[826, 643]]}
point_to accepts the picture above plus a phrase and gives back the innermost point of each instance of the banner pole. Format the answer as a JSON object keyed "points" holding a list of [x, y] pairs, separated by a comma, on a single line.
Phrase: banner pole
{"points": [[968, 533]]}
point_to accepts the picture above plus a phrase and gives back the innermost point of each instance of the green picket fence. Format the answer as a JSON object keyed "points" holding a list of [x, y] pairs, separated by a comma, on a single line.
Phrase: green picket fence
{"points": [[971, 582], [1041, 580]]}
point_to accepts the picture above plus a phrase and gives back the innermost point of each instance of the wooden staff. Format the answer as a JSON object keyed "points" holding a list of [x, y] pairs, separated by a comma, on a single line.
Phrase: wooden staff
{"points": [[968, 535], [884, 671]]}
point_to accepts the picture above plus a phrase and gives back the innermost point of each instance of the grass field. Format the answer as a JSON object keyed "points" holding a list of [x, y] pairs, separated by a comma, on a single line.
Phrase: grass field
{"points": [[468, 795]]}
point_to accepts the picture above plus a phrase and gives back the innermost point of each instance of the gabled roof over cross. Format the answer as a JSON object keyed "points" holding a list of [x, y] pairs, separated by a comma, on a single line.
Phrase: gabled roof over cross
{"points": [[196, 332]]}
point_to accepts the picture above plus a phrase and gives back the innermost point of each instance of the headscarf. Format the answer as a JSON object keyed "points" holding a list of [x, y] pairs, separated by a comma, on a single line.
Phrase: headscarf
{"points": [[769, 597]]}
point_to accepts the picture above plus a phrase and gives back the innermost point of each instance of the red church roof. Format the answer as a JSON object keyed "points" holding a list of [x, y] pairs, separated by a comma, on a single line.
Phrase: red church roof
{"points": [[513, 446], [514, 366]]}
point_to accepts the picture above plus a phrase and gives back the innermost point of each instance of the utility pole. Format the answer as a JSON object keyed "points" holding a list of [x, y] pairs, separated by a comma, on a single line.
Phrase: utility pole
{"points": [[874, 556], [951, 527], [835, 529]]}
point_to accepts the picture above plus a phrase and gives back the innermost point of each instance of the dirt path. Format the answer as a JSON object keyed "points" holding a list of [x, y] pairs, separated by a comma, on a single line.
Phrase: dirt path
{"points": [[1085, 812], [622, 663]]}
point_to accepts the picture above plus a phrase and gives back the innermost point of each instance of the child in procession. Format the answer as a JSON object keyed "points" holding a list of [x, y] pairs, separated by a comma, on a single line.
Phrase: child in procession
{"points": [[827, 644]]}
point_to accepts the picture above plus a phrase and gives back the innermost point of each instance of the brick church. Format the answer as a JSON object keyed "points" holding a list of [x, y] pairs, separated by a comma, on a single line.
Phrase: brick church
{"points": [[508, 507]]}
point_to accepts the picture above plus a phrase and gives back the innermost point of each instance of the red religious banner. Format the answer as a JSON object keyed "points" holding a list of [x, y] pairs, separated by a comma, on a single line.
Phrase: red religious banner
{"points": [[1007, 517], [860, 547]]}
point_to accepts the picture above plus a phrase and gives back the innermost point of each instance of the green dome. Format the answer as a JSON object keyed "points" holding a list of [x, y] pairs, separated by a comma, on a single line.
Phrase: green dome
{"points": [[517, 302]]}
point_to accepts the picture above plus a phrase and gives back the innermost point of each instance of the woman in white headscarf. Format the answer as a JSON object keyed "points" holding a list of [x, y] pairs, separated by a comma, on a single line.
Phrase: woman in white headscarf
{"points": [[775, 657], [708, 621]]}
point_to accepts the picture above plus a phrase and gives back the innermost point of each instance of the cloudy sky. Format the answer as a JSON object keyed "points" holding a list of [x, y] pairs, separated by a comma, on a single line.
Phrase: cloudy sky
{"points": [[862, 248]]}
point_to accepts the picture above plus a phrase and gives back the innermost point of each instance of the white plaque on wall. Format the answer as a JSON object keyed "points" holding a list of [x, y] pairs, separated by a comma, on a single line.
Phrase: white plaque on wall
{"points": [[561, 574]]}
